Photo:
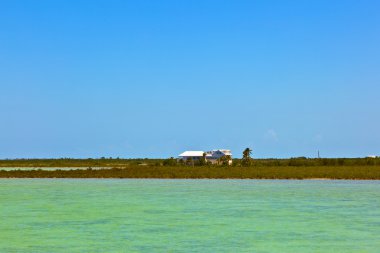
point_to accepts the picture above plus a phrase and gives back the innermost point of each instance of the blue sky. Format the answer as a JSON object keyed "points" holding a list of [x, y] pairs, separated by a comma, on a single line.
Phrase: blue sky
{"points": [[154, 78]]}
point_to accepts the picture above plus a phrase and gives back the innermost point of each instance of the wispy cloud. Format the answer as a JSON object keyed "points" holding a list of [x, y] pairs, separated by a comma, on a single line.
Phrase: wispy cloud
{"points": [[271, 134]]}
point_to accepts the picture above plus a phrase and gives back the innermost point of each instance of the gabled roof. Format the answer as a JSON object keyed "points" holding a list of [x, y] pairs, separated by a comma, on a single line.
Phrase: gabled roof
{"points": [[192, 153], [224, 151]]}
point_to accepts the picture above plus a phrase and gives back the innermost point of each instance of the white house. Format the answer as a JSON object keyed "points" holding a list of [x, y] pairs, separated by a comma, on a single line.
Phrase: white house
{"points": [[211, 156], [195, 155]]}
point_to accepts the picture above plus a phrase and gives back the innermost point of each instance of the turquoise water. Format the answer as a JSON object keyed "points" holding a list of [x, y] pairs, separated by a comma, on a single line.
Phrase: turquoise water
{"points": [[127, 215]]}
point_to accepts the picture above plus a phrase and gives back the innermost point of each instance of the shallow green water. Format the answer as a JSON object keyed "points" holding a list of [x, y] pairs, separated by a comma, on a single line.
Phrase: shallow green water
{"points": [[97, 215]]}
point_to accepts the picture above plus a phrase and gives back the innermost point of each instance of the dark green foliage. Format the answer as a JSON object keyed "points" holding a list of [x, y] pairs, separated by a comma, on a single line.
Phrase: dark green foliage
{"points": [[297, 168], [170, 162], [203, 160], [118, 162], [225, 159], [260, 172], [191, 161]]}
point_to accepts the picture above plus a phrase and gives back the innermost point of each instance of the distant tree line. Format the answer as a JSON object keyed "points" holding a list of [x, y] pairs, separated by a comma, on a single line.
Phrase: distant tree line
{"points": [[245, 161], [218, 172]]}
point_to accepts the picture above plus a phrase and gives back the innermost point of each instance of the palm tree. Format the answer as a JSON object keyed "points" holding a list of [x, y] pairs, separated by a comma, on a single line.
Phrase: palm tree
{"points": [[246, 161], [203, 160], [247, 153]]}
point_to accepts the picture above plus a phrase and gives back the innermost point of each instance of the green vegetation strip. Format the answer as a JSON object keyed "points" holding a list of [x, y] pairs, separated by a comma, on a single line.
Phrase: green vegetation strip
{"points": [[117, 162], [217, 172]]}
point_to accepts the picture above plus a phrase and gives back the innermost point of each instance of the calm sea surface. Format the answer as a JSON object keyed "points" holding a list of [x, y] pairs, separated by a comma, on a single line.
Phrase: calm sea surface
{"points": [[127, 215]]}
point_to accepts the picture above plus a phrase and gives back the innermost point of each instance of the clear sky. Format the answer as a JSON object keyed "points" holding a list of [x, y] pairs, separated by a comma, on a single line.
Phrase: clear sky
{"points": [[155, 78]]}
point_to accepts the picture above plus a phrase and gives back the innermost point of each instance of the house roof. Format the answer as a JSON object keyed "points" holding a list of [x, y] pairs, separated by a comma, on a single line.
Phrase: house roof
{"points": [[192, 153], [224, 151]]}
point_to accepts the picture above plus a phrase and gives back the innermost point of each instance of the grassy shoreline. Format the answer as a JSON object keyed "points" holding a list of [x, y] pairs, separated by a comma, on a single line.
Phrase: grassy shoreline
{"points": [[208, 172], [118, 162]]}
